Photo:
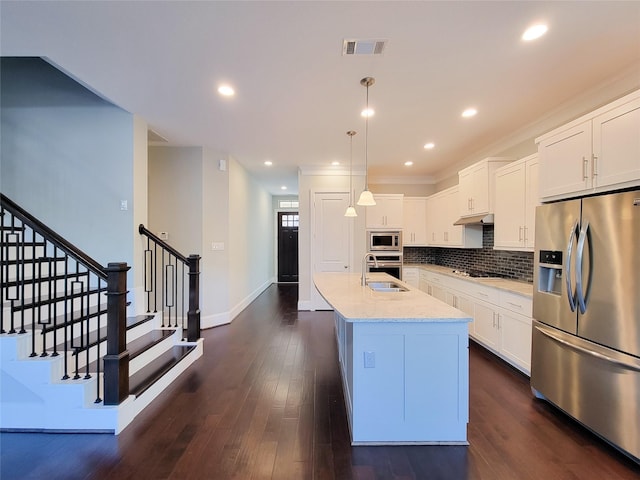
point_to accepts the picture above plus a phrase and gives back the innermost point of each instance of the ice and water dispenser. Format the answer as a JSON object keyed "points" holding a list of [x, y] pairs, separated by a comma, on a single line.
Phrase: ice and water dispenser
{"points": [[550, 274]]}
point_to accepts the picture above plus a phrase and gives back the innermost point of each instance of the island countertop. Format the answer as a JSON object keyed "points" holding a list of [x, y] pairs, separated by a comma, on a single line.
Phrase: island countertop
{"points": [[357, 303]]}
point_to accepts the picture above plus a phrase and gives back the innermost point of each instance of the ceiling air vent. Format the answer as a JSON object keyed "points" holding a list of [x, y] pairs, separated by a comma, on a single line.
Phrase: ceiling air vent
{"points": [[363, 47]]}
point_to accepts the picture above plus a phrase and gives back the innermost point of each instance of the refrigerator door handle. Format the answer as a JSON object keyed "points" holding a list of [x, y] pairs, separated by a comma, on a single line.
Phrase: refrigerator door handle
{"points": [[580, 292], [579, 348], [571, 295]]}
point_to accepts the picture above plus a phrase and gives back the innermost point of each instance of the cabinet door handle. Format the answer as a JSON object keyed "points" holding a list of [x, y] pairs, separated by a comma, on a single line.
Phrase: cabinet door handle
{"points": [[517, 305], [525, 234], [494, 320], [585, 164], [594, 165]]}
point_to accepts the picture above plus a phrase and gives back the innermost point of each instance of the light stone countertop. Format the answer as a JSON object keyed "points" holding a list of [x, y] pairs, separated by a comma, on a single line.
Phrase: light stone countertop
{"points": [[361, 304], [513, 286]]}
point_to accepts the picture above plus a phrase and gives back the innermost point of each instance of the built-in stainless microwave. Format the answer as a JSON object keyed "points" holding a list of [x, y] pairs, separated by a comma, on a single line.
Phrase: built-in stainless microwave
{"points": [[384, 241]]}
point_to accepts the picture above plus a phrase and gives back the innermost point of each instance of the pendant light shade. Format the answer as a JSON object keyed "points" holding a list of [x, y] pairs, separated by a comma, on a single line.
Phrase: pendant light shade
{"points": [[366, 197], [351, 212]]}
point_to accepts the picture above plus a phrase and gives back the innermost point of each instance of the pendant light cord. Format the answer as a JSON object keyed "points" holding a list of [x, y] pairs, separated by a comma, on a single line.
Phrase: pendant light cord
{"points": [[366, 144]]}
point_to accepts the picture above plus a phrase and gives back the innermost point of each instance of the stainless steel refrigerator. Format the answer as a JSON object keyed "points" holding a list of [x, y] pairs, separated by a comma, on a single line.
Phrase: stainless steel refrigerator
{"points": [[585, 355]]}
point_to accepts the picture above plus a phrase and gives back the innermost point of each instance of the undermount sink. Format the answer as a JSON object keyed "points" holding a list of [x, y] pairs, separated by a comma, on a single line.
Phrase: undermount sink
{"points": [[386, 287]]}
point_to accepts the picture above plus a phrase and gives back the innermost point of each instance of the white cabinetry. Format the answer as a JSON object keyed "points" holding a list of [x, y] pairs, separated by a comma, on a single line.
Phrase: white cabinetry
{"points": [[414, 229], [501, 319], [597, 152], [411, 275], [476, 187], [386, 213], [516, 201], [442, 212]]}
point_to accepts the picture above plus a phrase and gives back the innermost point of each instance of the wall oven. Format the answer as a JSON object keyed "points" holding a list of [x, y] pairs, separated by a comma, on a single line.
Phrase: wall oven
{"points": [[387, 263], [378, 241], [386, 246]]}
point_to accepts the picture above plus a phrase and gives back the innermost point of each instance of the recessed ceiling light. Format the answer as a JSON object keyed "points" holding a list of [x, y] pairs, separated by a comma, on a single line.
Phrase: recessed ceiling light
{"points": [[408, 164], [533, 32], [429, 146], [268, 163], [335, 163], [368, 112], [226, 91], [469, 112], [283, 187]]}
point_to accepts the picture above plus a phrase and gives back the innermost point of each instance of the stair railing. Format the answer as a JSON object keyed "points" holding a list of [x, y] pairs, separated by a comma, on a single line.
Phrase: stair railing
{"points": [[54, 289], [172, 284]]}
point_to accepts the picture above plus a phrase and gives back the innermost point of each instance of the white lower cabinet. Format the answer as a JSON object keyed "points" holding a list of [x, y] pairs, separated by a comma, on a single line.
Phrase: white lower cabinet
{"points": [[411, 275], [501, 319], [515, 330], [486, 325]]}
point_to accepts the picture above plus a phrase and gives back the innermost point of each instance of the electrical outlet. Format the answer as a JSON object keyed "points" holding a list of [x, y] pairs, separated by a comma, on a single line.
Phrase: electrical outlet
{"points": [[217, 245], [369, 359]]}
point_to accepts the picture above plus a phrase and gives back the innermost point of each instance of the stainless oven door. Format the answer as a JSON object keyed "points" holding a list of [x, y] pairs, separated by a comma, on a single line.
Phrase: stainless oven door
{"points": [[392, 268]]}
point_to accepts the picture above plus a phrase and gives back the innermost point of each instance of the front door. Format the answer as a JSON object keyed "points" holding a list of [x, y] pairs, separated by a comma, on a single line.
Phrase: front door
{"points": [[287, 246]]}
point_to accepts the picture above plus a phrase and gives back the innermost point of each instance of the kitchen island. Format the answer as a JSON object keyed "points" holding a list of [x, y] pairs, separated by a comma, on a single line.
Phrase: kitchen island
{"points": [[404, 361]]}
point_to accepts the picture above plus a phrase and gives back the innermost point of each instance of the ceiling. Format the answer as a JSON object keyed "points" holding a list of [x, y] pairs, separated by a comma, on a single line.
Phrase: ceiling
{"points": [[297, 94]]}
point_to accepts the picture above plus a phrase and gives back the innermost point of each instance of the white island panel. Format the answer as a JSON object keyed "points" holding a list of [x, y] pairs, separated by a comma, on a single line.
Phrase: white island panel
{"points": [[405, 377]]}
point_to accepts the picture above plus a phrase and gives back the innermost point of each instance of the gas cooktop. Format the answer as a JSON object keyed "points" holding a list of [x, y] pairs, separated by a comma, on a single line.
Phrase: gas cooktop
{"points": [[478, 274]]}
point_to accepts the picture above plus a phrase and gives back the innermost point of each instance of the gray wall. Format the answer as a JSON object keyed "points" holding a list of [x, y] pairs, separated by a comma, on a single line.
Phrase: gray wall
{"points": [[67, 157]]}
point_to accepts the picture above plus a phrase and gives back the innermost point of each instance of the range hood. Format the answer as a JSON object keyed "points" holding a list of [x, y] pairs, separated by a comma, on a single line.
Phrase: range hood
{"points": [[486, 218]]}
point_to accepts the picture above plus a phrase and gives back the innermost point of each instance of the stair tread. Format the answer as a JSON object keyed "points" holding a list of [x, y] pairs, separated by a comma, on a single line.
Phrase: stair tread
{"points": [[146, 341], [144, 378], [94, 336]]}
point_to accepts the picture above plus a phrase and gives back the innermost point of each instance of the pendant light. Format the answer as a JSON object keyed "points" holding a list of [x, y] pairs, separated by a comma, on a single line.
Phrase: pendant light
{"points": [[351, 212], [366, 197]]}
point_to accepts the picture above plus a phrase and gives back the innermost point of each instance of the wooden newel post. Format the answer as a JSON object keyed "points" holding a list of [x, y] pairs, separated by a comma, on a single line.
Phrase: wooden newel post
{"points": [[193, 316], [116, 361]]}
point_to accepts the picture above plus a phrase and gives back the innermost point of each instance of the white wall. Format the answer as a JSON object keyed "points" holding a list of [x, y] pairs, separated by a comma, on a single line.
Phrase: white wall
{"points": [[214, 265], [175, 196], [68, 158], [251, 247], [198, 204], [140, 212]]}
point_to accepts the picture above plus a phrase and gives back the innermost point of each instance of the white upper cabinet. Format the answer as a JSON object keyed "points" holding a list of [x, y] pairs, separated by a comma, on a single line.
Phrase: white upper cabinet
{"points": [[475, 196], [594, 153], [442, 212], [516, 201], [386, 213], [414, 230]]}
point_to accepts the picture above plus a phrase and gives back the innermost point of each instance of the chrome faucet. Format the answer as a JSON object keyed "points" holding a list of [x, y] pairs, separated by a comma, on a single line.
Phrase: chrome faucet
{"points": [[364, 266]]}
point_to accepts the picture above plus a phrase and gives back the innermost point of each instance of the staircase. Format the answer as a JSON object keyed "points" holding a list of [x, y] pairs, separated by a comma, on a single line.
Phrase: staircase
{"points": [[70, 358]]}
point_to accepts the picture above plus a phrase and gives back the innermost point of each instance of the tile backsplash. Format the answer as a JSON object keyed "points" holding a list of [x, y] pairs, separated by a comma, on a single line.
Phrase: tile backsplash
{"points": [[515, 265]]}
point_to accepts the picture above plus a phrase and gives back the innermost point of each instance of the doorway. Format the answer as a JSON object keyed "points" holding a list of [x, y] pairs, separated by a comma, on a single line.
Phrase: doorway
{"points": [[288, 247]]}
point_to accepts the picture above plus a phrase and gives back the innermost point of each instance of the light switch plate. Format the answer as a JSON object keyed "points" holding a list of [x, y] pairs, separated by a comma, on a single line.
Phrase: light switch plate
{"points": [[217, 245]]}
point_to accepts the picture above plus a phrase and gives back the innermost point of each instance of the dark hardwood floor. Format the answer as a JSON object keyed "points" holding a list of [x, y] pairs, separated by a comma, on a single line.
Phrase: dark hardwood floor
{"points": [[265, 402]]}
